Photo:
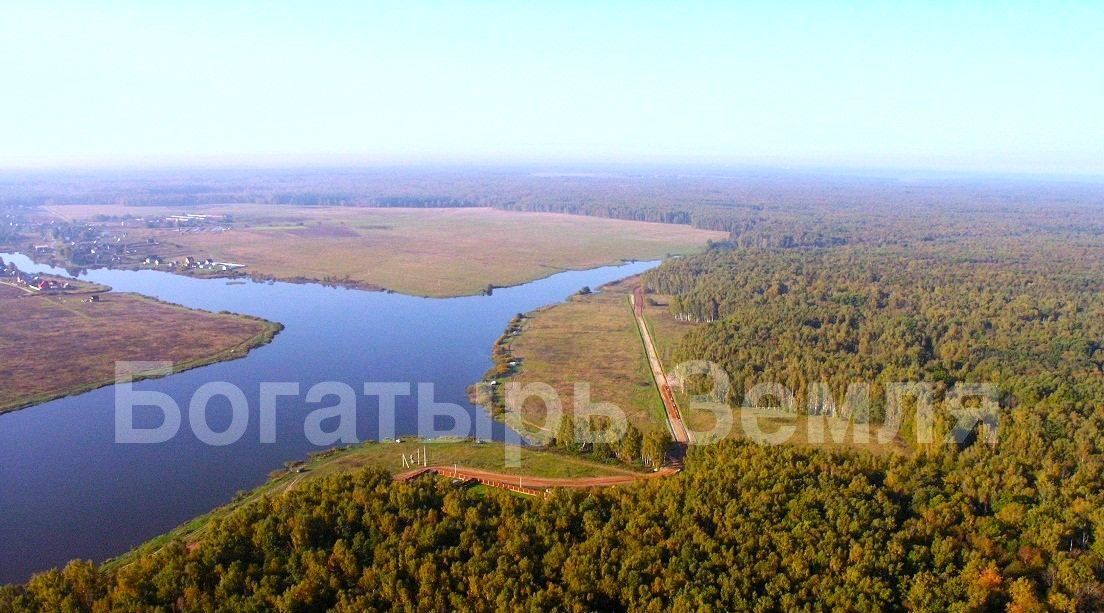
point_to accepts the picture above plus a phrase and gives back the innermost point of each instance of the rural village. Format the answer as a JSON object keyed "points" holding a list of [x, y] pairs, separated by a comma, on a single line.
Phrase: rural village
{"points": [[111, 242]]}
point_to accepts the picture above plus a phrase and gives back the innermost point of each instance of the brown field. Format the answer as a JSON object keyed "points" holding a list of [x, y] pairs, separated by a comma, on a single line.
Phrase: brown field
{"points": [[53, 346], [589, 339], [429, 252], [7, 291]]}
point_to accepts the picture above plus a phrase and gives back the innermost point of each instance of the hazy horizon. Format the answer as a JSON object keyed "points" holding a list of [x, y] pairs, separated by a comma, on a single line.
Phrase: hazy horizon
{"points": [[562, 169], [948, 88]]}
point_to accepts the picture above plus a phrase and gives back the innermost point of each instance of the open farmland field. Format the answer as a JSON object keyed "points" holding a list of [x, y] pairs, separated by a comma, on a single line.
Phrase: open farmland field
{"points": [[589, 339], [7, 291], [430, 252], [53, 346]]}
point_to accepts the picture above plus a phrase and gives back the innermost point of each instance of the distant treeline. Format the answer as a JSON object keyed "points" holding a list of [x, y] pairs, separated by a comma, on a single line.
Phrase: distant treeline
{"points": [[758, 209]]}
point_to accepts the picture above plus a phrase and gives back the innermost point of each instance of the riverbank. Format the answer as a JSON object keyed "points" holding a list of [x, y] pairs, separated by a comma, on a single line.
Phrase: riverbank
{"points": [[67, 343]]}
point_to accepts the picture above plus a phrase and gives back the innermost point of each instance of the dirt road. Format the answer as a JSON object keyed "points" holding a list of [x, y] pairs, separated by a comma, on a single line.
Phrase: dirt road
{"points": [[531, 485], [674, 416]]}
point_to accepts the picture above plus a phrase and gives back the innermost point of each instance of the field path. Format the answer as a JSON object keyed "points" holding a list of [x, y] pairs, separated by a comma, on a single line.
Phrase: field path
{"points": [[674, 416], [531, 485]]}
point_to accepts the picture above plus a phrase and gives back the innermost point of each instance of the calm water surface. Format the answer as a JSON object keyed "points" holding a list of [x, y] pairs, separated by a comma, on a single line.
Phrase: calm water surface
{"points": [[67, 490]]}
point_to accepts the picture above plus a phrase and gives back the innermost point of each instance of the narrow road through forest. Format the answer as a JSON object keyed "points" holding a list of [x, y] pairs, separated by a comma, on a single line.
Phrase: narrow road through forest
{"points": [[674, 416]]}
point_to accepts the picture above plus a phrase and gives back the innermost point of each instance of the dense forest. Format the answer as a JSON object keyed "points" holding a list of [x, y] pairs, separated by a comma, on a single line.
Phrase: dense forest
{"points": [[1013, 300], [1020, 314], [744, 528], [839, 281]]}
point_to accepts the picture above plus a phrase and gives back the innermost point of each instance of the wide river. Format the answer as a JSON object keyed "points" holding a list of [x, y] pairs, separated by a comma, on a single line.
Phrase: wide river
{"points": [[68, 490]]}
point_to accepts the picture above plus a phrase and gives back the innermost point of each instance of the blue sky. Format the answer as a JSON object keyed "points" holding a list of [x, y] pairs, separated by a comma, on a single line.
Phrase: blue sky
{"points": [[936, 85]]}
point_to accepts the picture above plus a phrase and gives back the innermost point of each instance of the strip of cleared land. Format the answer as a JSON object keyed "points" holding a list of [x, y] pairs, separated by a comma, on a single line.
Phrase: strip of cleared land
{"points": [[674, 416], [429, 252], [63, 344]]}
